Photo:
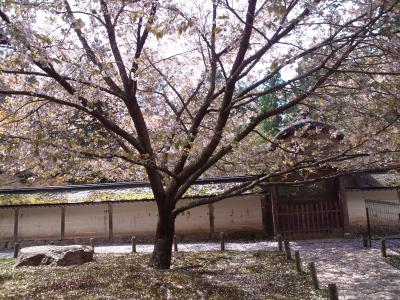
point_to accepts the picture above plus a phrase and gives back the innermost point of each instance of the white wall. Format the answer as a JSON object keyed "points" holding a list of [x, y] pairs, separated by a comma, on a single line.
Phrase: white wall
{"points": [[193, 221], [240, 214], [6, 224], [39, 223], [86, 221], [356, 203], [136, 218]]}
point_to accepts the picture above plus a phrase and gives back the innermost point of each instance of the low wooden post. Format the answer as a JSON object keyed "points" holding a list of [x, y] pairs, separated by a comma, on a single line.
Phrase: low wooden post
{"points": [[287, 250], [313, 271], [280, 248], [365, 239], [383, 248], [16, 249], [222, 237], [175, 244], [92, 243], [133, 244], [333, 292], [298, 261]]}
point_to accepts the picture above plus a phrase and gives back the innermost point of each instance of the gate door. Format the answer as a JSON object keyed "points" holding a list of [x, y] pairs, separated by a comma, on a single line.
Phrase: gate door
{"points": [[310, 212]]}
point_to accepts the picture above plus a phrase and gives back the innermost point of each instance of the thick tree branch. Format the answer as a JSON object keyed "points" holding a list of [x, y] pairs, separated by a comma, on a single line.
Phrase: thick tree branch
{"points": [[89, 52], [110, 27], [108, 124]]}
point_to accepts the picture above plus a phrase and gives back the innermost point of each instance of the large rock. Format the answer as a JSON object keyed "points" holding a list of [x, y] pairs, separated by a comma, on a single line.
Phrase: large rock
{"points": [[54, 255]]}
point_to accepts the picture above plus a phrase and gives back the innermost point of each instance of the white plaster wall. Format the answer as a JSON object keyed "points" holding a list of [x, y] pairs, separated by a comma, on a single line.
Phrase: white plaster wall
{"points": [[6, 224], [136, 218], [238, 214], [356, 203], [193, 221], [86, 221], [39, 223]]}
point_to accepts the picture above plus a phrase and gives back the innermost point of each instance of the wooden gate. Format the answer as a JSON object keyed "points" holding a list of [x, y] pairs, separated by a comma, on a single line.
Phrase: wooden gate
{"points": [[304, 215], [310, 220]]}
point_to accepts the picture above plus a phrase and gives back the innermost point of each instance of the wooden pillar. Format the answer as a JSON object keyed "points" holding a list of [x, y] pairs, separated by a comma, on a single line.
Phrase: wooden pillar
{"points": [[134, 244], [333, 292], [62, 222], [274, 203], [211, 219], [16, 217], [287, 250], [298, 261], [110, 223], [383, 248], [343, 201], [17, 246], [313, 271], [264, 212], [175, 244]]}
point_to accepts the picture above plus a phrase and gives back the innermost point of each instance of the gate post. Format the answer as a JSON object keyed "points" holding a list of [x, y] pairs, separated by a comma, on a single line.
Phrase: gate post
{"points": [[274, 200], [344, 206]]}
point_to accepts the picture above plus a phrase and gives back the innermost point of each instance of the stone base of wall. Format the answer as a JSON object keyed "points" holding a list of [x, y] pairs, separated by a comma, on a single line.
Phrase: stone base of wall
{"points": [[229, 236]]}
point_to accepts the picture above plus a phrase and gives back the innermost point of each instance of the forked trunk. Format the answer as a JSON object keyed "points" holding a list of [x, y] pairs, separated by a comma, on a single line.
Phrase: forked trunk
{"points": [[161, 257]]}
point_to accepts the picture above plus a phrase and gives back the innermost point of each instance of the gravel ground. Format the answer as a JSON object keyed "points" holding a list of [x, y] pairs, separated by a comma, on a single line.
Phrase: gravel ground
{"points": [[248, 246], [358, 272], [5, 254]]}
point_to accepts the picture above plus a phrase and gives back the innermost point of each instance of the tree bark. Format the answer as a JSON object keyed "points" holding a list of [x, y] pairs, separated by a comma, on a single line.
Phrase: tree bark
{"points": [[161, 256]]}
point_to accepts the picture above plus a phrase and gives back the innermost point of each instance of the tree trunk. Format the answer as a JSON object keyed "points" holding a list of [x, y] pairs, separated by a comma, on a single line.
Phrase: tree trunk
{"points": [[161, 257]]}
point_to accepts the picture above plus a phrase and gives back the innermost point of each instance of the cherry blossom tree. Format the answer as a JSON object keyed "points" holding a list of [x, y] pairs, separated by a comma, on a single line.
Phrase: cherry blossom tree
{"points": [[170, 91]]}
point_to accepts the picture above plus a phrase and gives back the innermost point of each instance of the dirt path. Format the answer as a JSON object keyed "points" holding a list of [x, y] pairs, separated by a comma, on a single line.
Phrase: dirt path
{"points": [[359, 273]]}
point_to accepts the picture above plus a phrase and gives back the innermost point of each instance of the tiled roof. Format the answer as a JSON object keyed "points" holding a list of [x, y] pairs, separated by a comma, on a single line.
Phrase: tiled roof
{"points": [[373, 181]]}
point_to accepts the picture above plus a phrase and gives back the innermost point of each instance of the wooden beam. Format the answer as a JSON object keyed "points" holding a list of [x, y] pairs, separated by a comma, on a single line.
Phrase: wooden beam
{"points": [[343, 202], [16, 217], [274, 203], [110, 223], [62, 222], [211, 219]]}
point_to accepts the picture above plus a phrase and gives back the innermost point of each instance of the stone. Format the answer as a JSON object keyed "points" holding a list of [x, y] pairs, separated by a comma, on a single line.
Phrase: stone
{"points": [[54, 255]]}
